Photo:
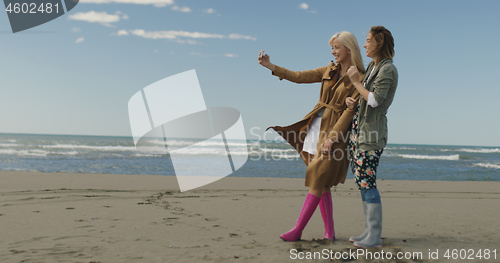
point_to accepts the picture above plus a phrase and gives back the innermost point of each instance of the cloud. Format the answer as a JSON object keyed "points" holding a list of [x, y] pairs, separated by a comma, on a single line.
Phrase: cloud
{"points": [[231, 55], [201, 54], [122, 33], [304, 6], [99, 17], [76, 29], [183, 9], [79, 40], [187, 41], [209, 11], [182, 37], [171, 34], [156, 3], [239, 36]]}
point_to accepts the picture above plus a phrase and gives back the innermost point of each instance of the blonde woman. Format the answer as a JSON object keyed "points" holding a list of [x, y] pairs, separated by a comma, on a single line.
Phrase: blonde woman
{"points": [[321, 136]]}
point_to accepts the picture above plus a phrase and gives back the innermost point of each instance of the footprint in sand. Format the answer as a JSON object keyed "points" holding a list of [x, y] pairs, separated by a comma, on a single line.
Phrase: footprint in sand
{"points": [[52, 197]]}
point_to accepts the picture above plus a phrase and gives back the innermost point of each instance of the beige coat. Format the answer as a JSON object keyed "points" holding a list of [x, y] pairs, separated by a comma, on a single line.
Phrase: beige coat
{"points": [[323, 170]]}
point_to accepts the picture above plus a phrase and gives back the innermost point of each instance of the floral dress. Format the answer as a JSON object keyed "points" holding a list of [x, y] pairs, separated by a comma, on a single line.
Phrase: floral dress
{"points": [[364, 165]]}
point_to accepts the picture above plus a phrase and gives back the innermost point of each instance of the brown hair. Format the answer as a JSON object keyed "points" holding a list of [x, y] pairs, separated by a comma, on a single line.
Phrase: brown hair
{"points": [[385, 42]]}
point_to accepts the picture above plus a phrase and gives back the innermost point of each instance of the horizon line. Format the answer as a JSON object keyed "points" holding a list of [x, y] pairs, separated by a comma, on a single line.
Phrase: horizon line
{"points": [[130, 136]]}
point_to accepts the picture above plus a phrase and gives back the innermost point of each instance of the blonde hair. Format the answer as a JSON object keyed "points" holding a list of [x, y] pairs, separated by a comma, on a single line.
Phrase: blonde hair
{"points": [[350, 42]]}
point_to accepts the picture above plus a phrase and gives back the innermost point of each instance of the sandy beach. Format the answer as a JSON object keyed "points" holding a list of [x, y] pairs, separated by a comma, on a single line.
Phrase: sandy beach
{"points": [[56, 217]]}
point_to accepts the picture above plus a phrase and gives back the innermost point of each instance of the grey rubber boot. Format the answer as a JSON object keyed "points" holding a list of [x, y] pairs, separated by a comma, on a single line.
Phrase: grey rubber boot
{"points": [[362, 236], [374, 220]]}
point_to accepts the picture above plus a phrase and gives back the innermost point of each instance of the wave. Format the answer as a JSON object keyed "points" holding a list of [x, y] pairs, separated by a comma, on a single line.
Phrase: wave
{"points": [[477, 150], [34, 152], [455, 157], [88, 147], [201, 144], [8, 140], [488, 165], [278, 151], [400, 148], [10, 145]]}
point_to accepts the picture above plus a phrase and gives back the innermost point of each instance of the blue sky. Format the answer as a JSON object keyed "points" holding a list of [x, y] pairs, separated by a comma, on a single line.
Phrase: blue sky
{"points": [[75, 74]]}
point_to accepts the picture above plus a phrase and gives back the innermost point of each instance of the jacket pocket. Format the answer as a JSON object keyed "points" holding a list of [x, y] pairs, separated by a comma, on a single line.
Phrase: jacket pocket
{"points": [[369, 131]]}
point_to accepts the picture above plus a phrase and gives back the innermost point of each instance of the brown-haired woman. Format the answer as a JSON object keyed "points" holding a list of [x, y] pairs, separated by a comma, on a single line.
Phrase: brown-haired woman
{"points": [[369, 128]]}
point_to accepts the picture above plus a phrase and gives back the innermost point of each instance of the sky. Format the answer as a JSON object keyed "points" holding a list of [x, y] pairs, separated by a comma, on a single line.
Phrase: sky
{"points": [[76, 74]]}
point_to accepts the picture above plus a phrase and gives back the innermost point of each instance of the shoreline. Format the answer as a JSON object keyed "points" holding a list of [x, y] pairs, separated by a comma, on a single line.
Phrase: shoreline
{"points": [[63, 217]]}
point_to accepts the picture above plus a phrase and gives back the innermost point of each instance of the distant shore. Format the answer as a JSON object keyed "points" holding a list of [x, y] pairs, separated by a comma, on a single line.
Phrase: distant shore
{"points": [[58, 217]]}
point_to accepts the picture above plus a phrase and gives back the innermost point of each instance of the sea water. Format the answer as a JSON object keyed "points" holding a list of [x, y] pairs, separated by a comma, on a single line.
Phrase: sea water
{"points": [[118, 155]]}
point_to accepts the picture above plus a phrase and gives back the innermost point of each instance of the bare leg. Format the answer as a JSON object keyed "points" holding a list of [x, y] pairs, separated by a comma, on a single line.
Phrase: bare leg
{"points": [[318, 192]]}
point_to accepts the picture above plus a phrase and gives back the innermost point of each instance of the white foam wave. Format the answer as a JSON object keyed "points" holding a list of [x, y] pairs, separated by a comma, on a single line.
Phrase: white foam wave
{"points": [[34, 152], [89, 147], [147, 155], [200, 151], [24, 152], [488, 165], [400, 148], [476, 150], [202, 143], [64, 153], [455, 157], [10, 145], [278, 151]]}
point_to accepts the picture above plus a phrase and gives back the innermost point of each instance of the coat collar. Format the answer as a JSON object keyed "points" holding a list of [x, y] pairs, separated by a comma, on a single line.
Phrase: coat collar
{"points": [[332, 71], [377, 69]]}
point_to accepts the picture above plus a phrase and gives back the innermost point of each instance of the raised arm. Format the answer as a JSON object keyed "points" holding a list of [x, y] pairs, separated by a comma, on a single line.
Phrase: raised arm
{"points": [[265, 61], [307, 76]]}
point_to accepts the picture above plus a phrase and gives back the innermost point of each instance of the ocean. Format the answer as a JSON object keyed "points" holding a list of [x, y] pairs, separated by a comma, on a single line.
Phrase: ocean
{"points": [[118, 155]]}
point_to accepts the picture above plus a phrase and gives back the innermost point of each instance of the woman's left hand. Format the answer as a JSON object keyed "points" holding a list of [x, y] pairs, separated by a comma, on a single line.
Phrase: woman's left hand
{"points": [[353, 74], [327, 146]]}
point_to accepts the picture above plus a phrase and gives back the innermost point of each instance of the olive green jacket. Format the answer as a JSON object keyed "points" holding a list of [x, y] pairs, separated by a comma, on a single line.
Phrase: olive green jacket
{"points": [[372, 122]]}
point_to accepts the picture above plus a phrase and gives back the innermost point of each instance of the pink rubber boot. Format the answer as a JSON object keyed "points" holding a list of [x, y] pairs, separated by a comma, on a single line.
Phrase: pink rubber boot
{"points": [[326, 207], [307, 211]]}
